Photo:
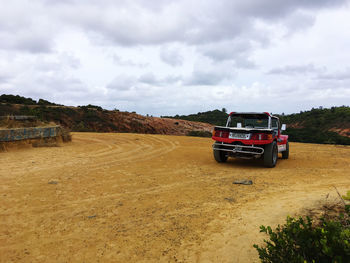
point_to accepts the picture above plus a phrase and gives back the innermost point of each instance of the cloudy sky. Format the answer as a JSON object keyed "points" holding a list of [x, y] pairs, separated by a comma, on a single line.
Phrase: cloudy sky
{"points": [[167, 57]]}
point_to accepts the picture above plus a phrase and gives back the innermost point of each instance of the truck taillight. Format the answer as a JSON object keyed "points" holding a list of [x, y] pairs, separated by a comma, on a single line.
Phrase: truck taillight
{"points": [[222, 134], [261, 136]]}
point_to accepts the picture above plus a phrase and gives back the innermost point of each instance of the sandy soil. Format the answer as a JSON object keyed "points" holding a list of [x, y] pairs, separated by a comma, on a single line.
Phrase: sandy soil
{"points": [[147, 198]]}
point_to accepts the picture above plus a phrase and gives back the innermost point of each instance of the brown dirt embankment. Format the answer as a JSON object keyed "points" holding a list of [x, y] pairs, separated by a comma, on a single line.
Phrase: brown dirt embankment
{"points": [[88, 119], [150, 198]]}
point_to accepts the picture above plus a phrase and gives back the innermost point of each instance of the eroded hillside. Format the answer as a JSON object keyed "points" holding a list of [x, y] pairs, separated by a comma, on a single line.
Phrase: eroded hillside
{"points": [[96, 119]]}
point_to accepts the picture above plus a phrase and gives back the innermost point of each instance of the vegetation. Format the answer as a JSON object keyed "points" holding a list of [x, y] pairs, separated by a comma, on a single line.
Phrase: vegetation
{"points": [[16, 99], [303, 240], [314, 135], [321, 118], [314, 126], [215, 117], [91, 107], [45, 102], [347, 196], [12, 99]]}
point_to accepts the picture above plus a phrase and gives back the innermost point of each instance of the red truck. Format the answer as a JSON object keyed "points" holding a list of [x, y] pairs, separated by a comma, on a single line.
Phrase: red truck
{"points": [[251, 135]]}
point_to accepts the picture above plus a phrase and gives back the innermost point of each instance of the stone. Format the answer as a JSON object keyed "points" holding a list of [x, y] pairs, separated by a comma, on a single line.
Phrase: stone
{"points": [[245, 182]]}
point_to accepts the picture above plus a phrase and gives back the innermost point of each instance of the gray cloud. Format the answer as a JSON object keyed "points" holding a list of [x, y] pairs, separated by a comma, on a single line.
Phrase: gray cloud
{"points": [[156, 22], [146, 22], [127, 62], [297, 69], [32, 42], [272, 9], [122, 83], [207, 77], [171, 56], [148, 78], [61, 50], [339, 75], [27, 27], [237, 51], [299, 21]]}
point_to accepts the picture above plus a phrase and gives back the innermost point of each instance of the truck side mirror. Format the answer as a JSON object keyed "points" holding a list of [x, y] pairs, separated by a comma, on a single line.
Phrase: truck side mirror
{"points": [[284, 127]]}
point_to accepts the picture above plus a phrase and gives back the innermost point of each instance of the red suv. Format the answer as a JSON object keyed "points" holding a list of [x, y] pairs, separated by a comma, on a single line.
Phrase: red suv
{"points": [[251, 135]]}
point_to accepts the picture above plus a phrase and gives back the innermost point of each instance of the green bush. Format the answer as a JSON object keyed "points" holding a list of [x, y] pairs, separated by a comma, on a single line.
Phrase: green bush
{"points": [[16, 99], [301, 240], [91, 107], [313, 135], [215, 117], [45, 102]]}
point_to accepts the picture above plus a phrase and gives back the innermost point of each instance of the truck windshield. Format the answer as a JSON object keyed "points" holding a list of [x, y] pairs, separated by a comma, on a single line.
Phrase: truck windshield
{"points": [[249, 121]]}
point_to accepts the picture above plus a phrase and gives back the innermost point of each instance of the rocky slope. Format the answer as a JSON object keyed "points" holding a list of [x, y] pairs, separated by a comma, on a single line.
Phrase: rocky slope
{"points": [[95, 119]]}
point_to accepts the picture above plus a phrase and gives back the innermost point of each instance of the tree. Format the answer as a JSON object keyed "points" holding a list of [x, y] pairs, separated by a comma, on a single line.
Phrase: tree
{"points": [[224, 110]]}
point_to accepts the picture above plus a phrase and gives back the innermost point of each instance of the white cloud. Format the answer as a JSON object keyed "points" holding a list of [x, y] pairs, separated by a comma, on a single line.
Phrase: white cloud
{"points": [[168, 57]]}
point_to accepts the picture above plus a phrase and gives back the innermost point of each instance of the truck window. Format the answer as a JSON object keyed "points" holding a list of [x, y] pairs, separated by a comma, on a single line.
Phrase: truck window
{"points": [[274, 124]]}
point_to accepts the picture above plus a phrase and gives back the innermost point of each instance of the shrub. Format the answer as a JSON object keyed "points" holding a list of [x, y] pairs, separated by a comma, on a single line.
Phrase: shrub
{"points": [[45, 102], [16, 99], [301, 240], [91, 107]]}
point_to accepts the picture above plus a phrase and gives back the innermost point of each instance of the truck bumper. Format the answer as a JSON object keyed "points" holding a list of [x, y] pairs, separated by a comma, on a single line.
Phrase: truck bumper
{"points": [[235, 149]]}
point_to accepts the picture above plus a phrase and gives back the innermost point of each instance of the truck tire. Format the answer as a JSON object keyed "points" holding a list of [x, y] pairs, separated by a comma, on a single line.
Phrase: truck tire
{"points": [[285, 154], [271, 155], [220, 156]]}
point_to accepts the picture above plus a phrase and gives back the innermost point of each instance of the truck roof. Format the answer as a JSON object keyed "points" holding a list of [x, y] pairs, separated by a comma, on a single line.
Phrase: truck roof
{"points": [[252, 113]]}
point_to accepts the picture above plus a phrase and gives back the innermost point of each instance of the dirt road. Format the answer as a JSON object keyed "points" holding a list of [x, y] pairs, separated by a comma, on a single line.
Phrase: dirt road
{"points": [[149, 198]]}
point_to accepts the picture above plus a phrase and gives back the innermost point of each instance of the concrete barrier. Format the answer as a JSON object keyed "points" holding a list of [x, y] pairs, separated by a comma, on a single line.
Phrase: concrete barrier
{"points": [[18, 134]]}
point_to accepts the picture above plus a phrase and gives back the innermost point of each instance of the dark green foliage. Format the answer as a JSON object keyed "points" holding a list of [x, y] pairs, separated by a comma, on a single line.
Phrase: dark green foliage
{"points": [[300, 240], [215, 117], [47, 113], [314, 135], [16, 99], [313, 126], [45, 102], [320, 118], [91, 107], [199, 134]]}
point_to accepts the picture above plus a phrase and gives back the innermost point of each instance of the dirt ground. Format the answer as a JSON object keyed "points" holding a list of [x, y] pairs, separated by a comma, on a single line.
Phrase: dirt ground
{"points": [[150, 198]]}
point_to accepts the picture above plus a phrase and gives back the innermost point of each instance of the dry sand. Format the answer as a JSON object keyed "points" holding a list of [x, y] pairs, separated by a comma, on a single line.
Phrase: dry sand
{"points": [[150, 198]]}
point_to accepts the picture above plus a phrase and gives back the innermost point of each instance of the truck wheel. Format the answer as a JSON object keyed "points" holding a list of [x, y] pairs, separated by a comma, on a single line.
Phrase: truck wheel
{"points": [[285, 154], [271, 155], [220, 156]]}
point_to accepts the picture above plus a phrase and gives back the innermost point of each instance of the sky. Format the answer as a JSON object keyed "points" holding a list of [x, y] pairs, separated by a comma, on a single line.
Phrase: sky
{"points": [[167, 57]]}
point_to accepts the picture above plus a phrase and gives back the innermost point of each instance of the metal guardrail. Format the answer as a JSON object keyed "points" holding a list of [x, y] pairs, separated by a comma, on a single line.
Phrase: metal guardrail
{"points": [[18, 134]]}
